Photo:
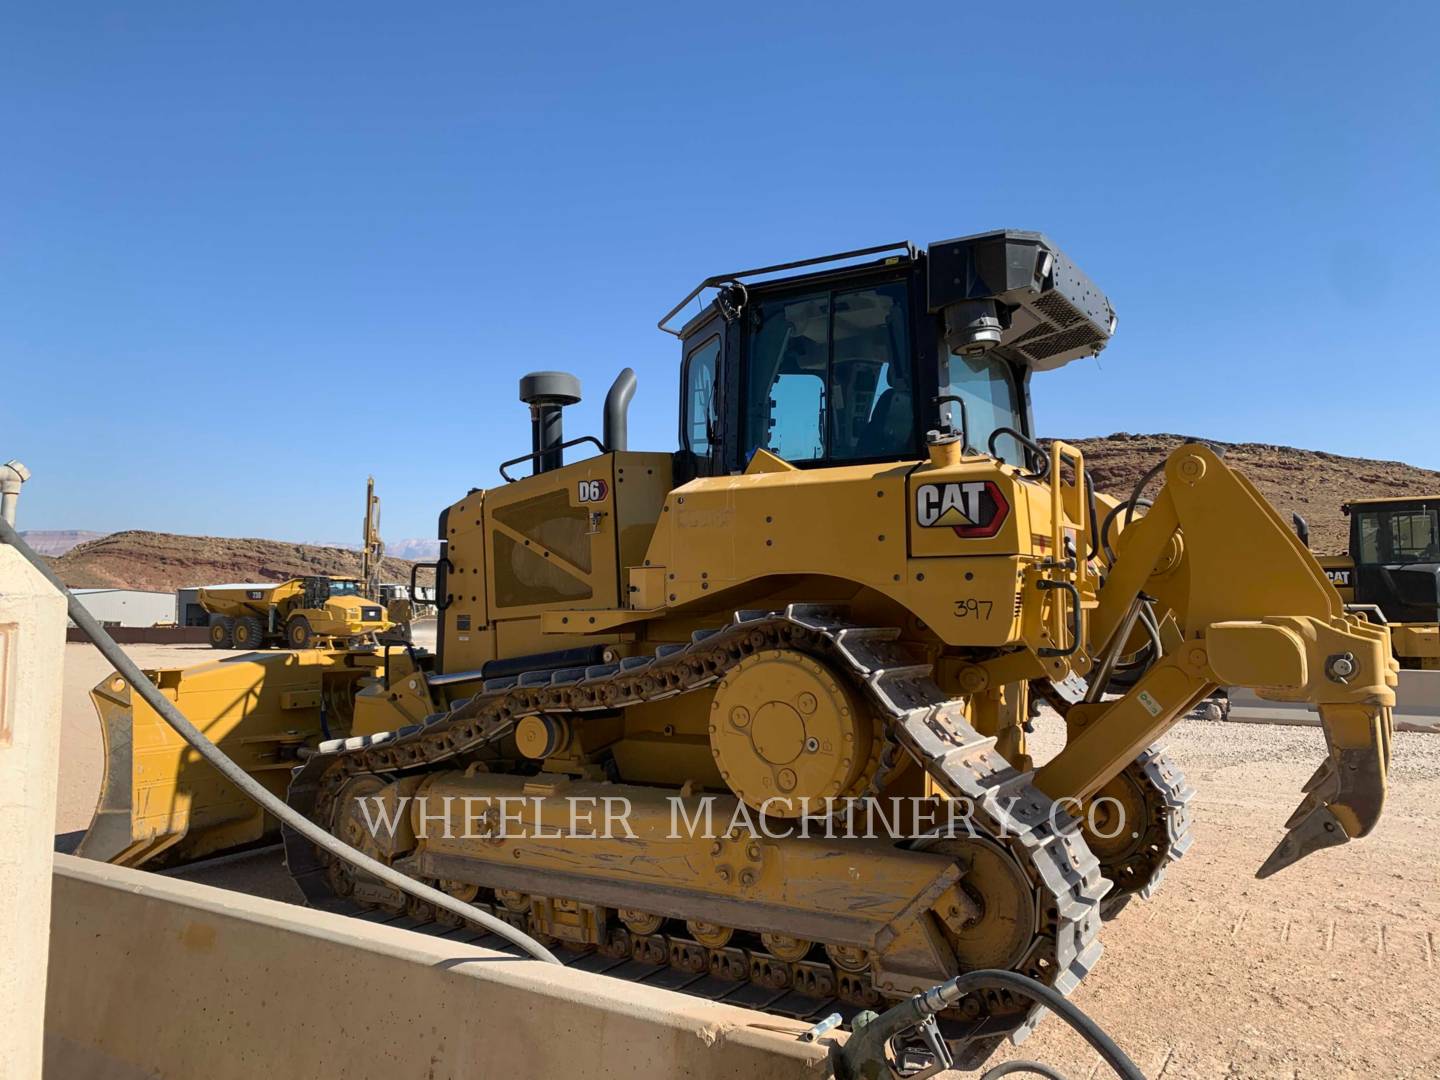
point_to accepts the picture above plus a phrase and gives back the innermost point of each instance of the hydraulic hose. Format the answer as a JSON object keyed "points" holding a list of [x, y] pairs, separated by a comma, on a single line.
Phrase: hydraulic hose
{"points": [[1110, 520], [1152, 628], [864, 1054], [1140, 486], [249, 785]]}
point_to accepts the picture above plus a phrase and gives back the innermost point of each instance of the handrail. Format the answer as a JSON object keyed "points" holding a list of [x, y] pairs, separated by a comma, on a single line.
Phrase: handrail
{"points": [[1040, 469], [734, 278], [1076, 627], [1060, 508], [415, 568], [548, 450], [1061, 504]]}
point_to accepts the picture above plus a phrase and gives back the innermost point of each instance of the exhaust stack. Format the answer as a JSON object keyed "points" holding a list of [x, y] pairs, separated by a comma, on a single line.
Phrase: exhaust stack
{"points": [[547, 393], [617, 411]]}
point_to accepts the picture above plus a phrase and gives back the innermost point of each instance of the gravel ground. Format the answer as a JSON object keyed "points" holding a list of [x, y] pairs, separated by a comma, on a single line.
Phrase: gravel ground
{"points": [[1324, 970]]}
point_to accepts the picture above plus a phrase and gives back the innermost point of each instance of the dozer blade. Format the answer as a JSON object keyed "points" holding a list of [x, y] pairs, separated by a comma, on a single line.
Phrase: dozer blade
{"points": [[160, 802], [1344, 798]]}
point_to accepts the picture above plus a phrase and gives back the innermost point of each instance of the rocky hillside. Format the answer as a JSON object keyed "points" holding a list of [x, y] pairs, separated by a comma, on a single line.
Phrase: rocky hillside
{"points": [[163, 561], [1309, 482], [57, 541]]}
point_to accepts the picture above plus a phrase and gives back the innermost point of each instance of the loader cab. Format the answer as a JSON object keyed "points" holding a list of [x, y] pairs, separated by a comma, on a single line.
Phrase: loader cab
{"points": [[1395, 546], [855, 363]]}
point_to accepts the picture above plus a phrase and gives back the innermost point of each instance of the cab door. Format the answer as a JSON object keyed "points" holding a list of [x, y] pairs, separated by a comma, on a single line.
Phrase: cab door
{"points": [[702, 400]]}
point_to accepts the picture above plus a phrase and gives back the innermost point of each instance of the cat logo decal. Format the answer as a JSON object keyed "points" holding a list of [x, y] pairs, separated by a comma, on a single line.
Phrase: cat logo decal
{"points": [[975, 509]]}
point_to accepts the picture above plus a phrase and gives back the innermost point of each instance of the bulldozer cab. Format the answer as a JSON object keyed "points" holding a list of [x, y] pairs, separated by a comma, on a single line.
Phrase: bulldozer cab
{"points": [[1395, 546], [853, 359]]}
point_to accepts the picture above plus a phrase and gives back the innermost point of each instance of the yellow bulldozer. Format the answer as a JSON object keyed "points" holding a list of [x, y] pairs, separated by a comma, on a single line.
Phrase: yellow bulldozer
{"points": [[300, 613], [841, 590]]}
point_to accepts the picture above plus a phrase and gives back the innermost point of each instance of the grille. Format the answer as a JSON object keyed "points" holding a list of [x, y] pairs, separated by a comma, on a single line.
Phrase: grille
{"points": [[1057, 309], [1039, 330], [1077, 338]]}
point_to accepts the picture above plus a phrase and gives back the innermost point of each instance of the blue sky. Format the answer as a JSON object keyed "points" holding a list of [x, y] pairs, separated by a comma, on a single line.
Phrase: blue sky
{"points": [[252, 252]]}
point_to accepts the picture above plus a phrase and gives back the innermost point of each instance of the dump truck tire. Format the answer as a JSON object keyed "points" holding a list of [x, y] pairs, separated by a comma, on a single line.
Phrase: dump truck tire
{"points": [[298, 634], [221, 632], [248, 633]]}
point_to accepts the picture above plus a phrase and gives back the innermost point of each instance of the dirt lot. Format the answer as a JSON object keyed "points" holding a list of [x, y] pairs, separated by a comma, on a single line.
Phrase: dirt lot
{"points": [[1325, 970]]}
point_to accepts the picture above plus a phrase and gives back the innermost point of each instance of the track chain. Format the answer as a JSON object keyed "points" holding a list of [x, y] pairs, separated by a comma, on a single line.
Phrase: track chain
{"points": [[922, 721], [1167, 807]]}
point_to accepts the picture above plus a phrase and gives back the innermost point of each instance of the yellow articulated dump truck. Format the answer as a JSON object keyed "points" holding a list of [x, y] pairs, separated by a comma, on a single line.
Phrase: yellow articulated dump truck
{"points": [[299, 613], [670, 686]]}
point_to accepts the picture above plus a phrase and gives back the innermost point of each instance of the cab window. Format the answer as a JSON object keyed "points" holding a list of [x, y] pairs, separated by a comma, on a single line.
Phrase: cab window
{"points": [[1370, 538], [1400, 536], [829, 376], [797, 416], [700, 404], [986, 384], [873, 409]]}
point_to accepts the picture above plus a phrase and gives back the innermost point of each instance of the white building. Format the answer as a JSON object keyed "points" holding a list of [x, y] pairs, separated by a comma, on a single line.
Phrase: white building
{"points": [[188, 611], [127, 607]]}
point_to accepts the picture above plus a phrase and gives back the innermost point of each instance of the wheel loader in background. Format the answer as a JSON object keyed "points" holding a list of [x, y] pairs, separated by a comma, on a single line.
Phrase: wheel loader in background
{"points": [[844, 585], [300, 613], [1393, 572]]}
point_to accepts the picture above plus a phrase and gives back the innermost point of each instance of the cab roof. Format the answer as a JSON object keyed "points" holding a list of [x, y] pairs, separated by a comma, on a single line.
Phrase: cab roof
{"points": [[1050, 310], [1389, 500]]}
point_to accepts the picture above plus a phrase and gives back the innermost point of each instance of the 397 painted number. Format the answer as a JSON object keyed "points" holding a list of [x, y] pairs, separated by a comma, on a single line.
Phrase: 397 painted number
{"points": [[972, 608]]}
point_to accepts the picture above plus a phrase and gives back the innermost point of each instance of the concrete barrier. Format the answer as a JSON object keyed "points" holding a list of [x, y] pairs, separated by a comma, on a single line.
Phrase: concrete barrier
{"points": [[32, 628], [1417, 706], [152, 635], [153, 977]]}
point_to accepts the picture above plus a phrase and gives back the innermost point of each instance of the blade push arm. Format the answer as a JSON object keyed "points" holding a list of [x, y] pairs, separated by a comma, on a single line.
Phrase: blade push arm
{"points": [[1252, 608]]}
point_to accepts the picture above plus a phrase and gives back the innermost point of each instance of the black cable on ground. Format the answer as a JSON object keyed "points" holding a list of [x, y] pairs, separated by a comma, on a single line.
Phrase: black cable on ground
{"points": [[248, 784], [1062, 1007], [1019, 1065]]}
